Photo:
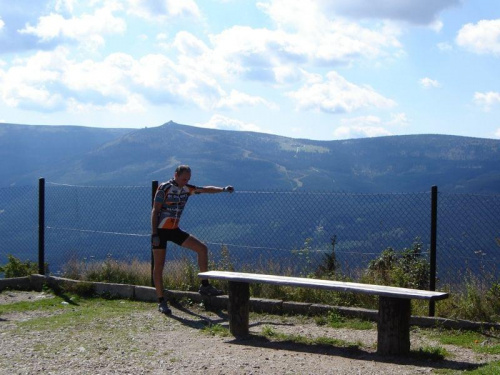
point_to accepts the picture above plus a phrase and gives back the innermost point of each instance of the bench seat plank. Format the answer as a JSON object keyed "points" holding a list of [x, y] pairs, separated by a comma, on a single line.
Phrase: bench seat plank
{"points": [[341, 286]]}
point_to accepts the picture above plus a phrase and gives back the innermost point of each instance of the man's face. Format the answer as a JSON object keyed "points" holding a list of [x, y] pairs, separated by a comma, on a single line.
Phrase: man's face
{"points": [[183, 178]]}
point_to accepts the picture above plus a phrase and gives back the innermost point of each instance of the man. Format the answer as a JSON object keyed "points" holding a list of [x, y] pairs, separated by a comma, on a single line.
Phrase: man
{"points": [[169, 202]]}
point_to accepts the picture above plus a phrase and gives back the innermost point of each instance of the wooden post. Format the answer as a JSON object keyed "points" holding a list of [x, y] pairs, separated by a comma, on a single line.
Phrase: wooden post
{"points": [[432, 260], [154, 187], [41, 226], [393, 326], [238, 308]]}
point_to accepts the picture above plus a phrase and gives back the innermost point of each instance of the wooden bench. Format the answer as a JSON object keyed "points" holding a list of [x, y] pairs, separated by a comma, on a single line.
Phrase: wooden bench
{"points": [[394, 310]]}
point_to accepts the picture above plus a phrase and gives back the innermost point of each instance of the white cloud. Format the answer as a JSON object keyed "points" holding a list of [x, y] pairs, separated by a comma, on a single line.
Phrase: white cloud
{"points": [[2, 24], [304, 31], [160, 10], [337, 95], [65, 6], [278, 55], [369, 126], [487, 99], [497, 133], [189, 45], [87, 28], [29, 84], [422, 12], [225, 123], [162, 81], [237, 99], [303, 35], [398, 119], [429, 83], [161, 37], [359, 121], [444, 46], [481, 38], [51, 81], [134, 104], [355, 131], [288, 74]]}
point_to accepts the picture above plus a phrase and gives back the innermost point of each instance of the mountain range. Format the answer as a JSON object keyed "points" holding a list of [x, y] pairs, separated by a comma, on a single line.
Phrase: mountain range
{"points": [[247, 160]]}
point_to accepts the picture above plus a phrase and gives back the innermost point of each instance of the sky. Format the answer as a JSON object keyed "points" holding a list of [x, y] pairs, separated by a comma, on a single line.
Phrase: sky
{"points": [[314, 69]]}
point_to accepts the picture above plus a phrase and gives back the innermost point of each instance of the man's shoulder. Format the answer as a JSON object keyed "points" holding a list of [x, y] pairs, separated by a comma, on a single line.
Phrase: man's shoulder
{"points": [[166, 185], [192, 188]]}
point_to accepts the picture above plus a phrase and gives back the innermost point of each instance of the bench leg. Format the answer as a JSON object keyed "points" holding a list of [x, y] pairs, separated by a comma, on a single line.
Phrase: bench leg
{"points": [[238, 308], [393, 326]]}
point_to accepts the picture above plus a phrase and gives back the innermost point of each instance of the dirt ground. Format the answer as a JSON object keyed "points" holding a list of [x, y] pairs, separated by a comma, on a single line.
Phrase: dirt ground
{"points": [[148, 342]]}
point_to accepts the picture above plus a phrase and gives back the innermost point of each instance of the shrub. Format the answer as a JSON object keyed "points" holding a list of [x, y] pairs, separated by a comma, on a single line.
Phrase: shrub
{"points": [[407, 268], [17, 268]]}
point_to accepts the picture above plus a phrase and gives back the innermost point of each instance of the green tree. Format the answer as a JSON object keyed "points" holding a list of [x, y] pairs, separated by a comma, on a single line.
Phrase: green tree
{"points": [[329, 266]]}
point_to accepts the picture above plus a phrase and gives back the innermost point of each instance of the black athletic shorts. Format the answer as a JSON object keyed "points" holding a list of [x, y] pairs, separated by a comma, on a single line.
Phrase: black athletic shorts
{"points": [[176, 235]]}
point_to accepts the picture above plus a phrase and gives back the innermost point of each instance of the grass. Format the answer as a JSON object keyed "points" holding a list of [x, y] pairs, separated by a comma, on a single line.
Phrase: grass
{"points": [[492, 368], [216, 330], [94, 312], [430, 353], [63, 311], [335, 320], [487, 342]]}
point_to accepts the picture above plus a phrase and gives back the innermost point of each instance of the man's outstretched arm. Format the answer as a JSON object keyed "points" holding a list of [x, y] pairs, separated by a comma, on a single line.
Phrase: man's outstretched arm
{"points": [[214, 189]]}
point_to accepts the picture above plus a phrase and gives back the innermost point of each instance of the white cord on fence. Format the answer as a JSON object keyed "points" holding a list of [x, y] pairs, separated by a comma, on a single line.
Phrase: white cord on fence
{"points": [[98, 231], [208, 242], [96, 186]]}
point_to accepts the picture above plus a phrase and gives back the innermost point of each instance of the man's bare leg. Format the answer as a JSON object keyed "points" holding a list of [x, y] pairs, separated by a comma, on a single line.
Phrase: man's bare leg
{"points": [[200, 248], [159, 262]]}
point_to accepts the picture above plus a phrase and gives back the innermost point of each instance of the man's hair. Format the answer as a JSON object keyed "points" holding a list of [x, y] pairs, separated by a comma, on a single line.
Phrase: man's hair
{"points": [[182, 168]]}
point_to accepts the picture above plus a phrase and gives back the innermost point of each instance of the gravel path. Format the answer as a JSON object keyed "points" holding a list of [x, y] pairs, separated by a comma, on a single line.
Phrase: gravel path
{"points": [[147, 342]]}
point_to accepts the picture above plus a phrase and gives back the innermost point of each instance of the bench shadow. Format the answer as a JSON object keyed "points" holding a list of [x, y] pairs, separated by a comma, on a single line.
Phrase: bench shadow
{"points": [[255, 340], [199, 321]]}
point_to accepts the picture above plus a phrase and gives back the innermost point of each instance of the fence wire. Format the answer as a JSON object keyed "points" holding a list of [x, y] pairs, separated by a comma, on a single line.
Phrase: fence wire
{"points": [[19, 223], [469, 236], [276, 231]]}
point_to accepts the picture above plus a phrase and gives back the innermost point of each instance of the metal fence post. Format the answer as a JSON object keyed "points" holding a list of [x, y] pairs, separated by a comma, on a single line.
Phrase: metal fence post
{"points": [[41, 226], [432, 276], [154, 187]]}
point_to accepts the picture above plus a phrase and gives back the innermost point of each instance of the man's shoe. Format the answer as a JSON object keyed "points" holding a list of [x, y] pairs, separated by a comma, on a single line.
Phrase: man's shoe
{"points": [[209, 290], [163, 308]]}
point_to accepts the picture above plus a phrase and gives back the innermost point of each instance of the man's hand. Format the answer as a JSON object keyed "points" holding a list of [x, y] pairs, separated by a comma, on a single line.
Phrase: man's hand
{"points": [[228, 189], [155, 240]]}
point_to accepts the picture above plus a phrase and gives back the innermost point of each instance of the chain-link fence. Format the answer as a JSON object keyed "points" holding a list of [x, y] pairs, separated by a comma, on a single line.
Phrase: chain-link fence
{"points": [[469, 237], [268, 231], [19, 223]]}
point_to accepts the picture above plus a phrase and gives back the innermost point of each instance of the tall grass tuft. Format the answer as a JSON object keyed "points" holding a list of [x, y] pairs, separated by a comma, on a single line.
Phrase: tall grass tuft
{"points": [[109, 270], [474, 300]]}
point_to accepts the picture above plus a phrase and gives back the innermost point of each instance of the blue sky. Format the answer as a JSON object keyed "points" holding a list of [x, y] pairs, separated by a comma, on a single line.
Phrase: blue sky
{"points": [[324, 69]]}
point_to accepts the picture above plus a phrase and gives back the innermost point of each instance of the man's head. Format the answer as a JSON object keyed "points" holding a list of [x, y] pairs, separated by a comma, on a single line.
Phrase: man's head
{"points": [[182, 175]]}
